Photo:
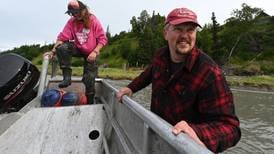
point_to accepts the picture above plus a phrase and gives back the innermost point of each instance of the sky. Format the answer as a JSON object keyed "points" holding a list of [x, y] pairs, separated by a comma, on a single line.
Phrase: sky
{"points": [[30, 22]]}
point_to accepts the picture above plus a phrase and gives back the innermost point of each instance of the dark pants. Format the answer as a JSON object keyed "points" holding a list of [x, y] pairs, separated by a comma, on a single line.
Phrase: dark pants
{"points": [[65, 52]]}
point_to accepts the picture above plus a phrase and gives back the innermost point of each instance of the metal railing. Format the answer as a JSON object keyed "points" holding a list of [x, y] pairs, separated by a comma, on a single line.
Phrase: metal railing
{"points": [[149, 124]]}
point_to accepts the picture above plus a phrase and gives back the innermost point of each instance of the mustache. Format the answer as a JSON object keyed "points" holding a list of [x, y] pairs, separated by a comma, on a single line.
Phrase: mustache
{"points": [[183, 40]]}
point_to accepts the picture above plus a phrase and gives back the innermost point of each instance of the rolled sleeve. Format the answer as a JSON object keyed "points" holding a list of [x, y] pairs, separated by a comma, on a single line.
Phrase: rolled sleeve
{"points": [[66, 34]]}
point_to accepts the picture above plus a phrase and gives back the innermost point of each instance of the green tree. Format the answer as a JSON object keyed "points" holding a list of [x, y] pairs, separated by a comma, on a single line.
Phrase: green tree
{"points": [[204, 39], [214, 31], [108, 35], [247, 13], [149, 31], [217, 54], [125, 48]]}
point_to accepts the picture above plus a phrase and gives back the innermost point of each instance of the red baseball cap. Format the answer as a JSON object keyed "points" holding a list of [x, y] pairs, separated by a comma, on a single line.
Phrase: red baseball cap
{"points": [[181, 15]]}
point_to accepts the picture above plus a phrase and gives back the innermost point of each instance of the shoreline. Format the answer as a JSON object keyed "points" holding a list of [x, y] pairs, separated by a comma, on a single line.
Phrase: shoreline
{"points": [[244, 87], [259, 82], [252, 89]]}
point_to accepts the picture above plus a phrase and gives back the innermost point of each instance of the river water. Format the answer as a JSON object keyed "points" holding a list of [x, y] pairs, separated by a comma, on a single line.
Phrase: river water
{"points": [[255, 110]]}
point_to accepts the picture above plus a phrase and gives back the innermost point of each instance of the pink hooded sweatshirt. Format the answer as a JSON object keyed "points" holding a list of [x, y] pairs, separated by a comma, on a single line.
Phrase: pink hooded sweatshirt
{"points": [[84, 39]]}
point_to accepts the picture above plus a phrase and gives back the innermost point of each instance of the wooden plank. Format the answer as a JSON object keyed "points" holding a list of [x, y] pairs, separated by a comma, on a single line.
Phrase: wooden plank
{"points": [[56, 130]]}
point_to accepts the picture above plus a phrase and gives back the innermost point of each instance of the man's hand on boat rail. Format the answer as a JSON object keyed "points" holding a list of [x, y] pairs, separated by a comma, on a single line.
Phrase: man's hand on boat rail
{"points": [[183, 127], [122, 92]]}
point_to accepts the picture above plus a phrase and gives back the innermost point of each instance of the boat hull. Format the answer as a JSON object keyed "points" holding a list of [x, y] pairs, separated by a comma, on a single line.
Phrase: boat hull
{"points": [[107, 127]]}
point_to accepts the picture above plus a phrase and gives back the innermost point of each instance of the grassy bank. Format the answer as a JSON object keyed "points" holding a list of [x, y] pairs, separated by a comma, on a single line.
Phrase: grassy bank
{"points": [[110, 73], [115, 73], [261, 81]]}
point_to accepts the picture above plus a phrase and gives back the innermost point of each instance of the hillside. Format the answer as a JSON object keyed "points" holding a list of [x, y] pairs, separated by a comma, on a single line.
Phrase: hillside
{"points": [[243, 45]]}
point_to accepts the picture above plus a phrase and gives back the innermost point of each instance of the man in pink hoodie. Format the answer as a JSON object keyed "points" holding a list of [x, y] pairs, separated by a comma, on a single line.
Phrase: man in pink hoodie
{"points": [[82, 36]]}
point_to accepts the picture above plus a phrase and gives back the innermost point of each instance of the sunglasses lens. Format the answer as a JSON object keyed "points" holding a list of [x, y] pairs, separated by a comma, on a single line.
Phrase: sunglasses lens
{"points": [[74, 12]]}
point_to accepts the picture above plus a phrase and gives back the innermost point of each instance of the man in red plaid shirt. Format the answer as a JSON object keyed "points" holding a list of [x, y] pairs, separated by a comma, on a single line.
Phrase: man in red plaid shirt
{"points": [[188, 87]]}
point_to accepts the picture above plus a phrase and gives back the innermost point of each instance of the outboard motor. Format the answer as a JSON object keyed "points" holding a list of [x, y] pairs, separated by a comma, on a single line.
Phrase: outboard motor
{"points": [[18, 79]]}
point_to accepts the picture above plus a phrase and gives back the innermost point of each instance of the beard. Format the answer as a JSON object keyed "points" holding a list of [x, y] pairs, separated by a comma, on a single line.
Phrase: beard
{"points": [[183, 50], [183, 46]]}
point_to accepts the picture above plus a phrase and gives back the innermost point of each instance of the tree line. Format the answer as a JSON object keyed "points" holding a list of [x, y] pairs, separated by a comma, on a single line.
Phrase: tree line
{"points": [[243, 43]]}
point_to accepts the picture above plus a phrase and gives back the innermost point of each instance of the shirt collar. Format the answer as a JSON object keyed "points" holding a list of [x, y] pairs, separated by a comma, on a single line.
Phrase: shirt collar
{"points": [[191, 59]]}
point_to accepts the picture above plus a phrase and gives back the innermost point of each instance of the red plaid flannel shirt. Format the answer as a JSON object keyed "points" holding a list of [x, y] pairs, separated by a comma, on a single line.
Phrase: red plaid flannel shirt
{"points": [[197, 93]]}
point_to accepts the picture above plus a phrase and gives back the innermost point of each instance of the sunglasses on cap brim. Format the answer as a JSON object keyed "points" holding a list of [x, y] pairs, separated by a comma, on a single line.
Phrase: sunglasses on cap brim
{"points": [[73, 12]]}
